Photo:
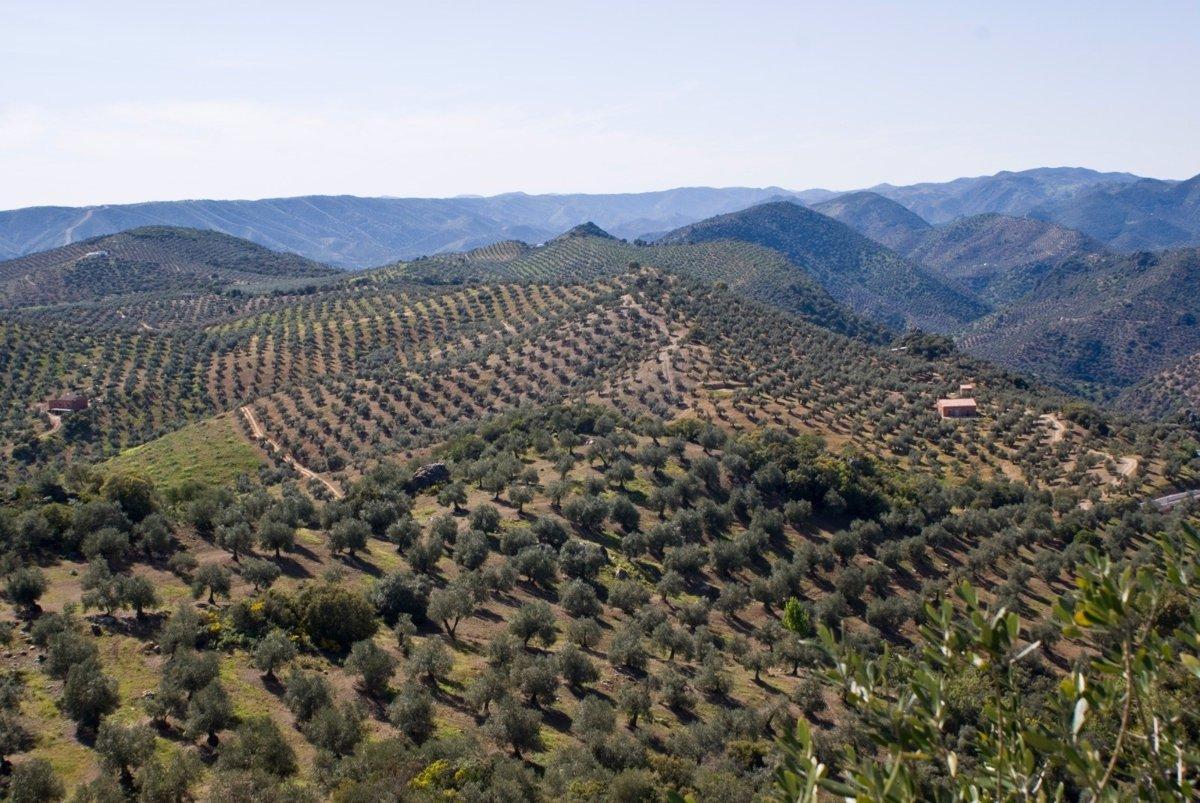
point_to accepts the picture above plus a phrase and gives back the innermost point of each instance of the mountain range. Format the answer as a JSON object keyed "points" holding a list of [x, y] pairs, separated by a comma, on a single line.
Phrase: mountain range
{"points": [[1119, 209], [1049, 300]]}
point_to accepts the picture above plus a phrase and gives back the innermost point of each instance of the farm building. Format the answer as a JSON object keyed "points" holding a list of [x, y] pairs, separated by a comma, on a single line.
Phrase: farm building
{"points": [[68, 403], [957, 408]]}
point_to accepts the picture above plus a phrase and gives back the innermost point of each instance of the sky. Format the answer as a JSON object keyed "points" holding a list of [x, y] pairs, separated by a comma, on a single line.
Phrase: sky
{"points": [[120, 102]]}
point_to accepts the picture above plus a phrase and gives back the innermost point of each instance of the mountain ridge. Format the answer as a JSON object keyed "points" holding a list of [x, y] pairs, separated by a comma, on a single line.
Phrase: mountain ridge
{"points": [[355, 232], [1149, 214], [870, 278]]}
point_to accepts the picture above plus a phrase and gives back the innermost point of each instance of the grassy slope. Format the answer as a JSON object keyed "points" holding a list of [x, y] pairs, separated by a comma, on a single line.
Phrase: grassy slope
{"points": [[211, 452]]}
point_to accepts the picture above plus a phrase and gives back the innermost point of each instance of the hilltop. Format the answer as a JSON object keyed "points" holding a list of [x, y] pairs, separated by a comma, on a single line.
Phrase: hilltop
{"points": [[881, 219], [149, 260], [869, 278], [1007, 192], [587, 252]]}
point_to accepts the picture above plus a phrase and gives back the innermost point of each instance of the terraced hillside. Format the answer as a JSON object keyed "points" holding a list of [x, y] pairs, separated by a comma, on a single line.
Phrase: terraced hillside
{"points": [[149, 261], [587, 252], [870, 279], [1173, 391], [521, 524], [344, 377]]}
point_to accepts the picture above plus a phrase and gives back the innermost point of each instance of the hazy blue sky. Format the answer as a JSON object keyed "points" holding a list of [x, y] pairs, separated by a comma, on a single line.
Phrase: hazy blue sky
{"points": [[127, 101]]}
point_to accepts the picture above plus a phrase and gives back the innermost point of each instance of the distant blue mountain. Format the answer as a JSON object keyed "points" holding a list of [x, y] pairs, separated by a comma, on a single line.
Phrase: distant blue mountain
{"points": [[360, 232], [353, 232]]}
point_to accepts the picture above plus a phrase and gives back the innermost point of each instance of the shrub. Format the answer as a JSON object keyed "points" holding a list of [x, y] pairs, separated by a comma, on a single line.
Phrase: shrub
{"points": [[515, 727], [89, 694], [306, 693], [25, 586], [412, 713], [335, 617], [578, 599], [373, 664], [35, 781], [336, 728], [258, 746], [272, 651], [400, 593], [430, 659]]}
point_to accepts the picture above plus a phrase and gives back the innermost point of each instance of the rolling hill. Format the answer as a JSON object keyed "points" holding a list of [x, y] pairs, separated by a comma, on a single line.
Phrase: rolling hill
{"points": [[151, 260], [527, 522], [883, 220], [1173, 391], [1107, 321], [998, 257], [586, 252], [353, 232], [869, 278]]}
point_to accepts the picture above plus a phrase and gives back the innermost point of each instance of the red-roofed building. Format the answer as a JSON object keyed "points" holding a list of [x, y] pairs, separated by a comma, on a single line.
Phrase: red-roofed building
{"points": [[957, 408], [70, 403]]}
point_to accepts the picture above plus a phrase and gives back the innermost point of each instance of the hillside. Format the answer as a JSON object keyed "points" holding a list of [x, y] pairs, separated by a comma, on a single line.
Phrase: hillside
{"points": [[870, 279], [998, 257], [1144, 215], [154, 260], [587, 252], [1104, 321], [1008, 192], [345, 375], [1173, 391], [881, 219], [527, 521]]}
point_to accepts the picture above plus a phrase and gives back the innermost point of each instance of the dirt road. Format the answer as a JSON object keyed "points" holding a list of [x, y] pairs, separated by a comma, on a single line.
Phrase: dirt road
{"points": [[273, 445]]}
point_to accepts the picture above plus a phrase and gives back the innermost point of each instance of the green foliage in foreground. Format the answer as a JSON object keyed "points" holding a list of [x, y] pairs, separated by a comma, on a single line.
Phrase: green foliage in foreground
{"points": [[1122, 725]]}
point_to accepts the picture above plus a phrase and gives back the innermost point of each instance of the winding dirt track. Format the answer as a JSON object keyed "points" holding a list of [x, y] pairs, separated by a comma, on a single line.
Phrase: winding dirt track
{"points": [[1060, 429], [1125, 466], [273, 445]]}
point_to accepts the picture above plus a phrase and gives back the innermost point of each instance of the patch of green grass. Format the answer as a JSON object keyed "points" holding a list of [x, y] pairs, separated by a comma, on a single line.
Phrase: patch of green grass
{"points": [[249, 699], [210, 452], [73, 763], [123, 658]]}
